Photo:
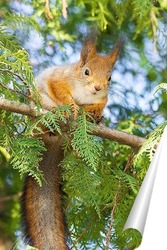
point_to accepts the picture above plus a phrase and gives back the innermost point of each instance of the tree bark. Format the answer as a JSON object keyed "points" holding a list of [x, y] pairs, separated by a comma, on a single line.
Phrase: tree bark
{"points": [[101, 130]]}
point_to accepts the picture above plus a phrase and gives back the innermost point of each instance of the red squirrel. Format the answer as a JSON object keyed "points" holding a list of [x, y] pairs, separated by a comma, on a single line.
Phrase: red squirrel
{"points": [[83, 84]]}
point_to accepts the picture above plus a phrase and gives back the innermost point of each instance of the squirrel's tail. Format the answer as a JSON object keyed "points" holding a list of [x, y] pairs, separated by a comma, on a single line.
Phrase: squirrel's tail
{"points": [[43, 217]]}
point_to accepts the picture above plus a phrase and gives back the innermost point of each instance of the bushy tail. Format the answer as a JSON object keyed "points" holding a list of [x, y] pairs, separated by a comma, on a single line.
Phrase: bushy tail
{"points": [[43, 217]]}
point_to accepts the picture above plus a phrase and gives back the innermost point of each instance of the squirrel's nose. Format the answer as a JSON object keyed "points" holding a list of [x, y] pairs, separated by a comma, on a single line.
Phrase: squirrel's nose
{"points": [[97, 87]]}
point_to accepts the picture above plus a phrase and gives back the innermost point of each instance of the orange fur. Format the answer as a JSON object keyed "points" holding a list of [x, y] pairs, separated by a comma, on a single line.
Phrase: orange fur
{"points": [[96, 109], [60, 90], [84, 84]]}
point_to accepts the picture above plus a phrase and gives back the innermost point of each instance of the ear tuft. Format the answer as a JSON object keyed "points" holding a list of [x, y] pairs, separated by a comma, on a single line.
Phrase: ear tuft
{"points": [[117, 48], [89, 47]]}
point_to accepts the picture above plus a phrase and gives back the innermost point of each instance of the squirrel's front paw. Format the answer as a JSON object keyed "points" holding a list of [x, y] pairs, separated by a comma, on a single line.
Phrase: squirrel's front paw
{"points": [[98, 118], [94, 111], [74, 108]]}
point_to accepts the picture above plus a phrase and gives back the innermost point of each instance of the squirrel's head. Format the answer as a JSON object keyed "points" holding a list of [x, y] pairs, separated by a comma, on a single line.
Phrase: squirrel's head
{"points": [[95, 69]]}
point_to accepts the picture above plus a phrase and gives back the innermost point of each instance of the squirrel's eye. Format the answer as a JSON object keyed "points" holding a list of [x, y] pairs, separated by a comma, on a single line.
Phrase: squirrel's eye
{"points": [[109, 78], [87, 72]]}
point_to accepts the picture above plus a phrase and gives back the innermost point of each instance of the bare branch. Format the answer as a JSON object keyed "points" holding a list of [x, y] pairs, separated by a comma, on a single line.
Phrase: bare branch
{"points": [[119, 136], [17, 107], [101, 130]]}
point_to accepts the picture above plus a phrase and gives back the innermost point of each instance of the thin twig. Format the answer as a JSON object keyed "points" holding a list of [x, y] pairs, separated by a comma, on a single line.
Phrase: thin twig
{"points": [[117, 199], [64, 8], [19, 77], [16, 91], [87, 227], [153, 17], [130, 160], [81, 235], [47, 11]]}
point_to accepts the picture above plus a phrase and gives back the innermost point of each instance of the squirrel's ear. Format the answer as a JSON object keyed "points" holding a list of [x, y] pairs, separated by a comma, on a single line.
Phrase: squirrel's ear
{"points": [[89, 49], [112, 57]]}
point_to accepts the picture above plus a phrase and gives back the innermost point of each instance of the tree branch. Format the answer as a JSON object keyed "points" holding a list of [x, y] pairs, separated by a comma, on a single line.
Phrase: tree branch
{"points": [[17, 107], [119, 136], [101, 130]]}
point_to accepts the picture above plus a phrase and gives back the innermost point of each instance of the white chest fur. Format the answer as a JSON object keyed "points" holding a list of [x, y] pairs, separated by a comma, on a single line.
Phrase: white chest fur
{"points": [[84, 95]]}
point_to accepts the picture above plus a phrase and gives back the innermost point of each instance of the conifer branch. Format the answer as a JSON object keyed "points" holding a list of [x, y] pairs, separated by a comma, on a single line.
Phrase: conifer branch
{"points": [[17, 107], [21, 79], [119, 136], [101, 130], [15, 91], [15, 74]]}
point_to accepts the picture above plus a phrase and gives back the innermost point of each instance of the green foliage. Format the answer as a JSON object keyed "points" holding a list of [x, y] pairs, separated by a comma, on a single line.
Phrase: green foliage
{"points": [[86, 184], [131, 238], [162, 86], [51, 18], [16, 73], [109, 13], [26, 154], [147, 151], [100, 178], [51, 121], [10, 187], [30, 248], [83, 143], [92, 194], [15, 21]]}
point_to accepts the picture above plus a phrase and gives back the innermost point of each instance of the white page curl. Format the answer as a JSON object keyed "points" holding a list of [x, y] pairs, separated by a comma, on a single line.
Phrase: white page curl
{"points": [[149, 212]]}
